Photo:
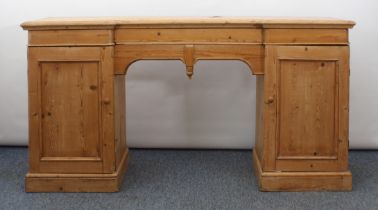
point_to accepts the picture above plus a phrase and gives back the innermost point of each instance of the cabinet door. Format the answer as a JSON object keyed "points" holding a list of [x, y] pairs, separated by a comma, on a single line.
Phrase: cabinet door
{"points": [[311, 107], [70, 108]]}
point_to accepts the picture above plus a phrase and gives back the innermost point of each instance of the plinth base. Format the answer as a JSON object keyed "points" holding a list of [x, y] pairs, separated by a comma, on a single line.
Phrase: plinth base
{"points": [[41, 182], [301, 181]]}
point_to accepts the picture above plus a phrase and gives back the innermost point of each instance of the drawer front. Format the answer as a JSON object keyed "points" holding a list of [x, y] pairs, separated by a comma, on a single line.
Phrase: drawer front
{"points": [[192, 35], [71, 37], [306, 36]]}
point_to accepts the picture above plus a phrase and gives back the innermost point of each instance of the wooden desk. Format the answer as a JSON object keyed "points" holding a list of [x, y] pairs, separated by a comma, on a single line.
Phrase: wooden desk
{"points": [[76, 73]]}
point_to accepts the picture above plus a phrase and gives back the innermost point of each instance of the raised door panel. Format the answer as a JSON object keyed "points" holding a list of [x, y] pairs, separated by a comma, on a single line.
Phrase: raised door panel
{"points": [[307, 114], [71, 110], [312, 108]]}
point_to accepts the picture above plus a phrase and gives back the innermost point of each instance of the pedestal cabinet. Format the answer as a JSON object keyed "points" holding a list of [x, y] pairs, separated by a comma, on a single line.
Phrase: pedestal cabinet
{"points": [[72, 119], [76, 76], [306, 109]]}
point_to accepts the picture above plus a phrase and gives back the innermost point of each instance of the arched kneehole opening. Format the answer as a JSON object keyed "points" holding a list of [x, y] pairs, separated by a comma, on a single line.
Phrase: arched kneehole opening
{"points": [[215, 109]]}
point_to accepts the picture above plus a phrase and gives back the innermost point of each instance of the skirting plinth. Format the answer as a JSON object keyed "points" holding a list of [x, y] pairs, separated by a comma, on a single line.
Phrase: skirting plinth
{"points": [[41, 182], [301, 181]]}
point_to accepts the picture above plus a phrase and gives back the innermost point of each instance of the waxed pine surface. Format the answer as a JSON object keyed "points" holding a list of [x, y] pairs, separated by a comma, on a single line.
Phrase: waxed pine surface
{"points": [[189, 179]]}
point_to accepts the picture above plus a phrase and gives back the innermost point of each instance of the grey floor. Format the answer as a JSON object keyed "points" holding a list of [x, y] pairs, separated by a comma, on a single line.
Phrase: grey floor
{"points": [[189, 179]]}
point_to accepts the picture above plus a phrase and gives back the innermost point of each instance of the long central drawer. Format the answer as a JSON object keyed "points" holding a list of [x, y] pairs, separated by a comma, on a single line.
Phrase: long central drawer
{"points": [[186, 35]]}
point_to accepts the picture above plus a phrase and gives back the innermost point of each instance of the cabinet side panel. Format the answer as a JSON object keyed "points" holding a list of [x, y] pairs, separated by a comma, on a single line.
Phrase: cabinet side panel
{"points": [[259, 141], [70, 109], [343, 129], [119, 113], [34, 99]]}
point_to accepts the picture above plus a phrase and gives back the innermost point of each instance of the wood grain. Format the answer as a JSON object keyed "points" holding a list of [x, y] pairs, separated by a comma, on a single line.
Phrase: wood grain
{"points": [[192, 35], [107, 109], [306, 36], [126, 54], [119, 117], [68, 128], [76, 81], [252, 55], [269, 111], [199, 22], [78, 182], [259, 132], [70, 38], [309, 106], [67, 87], [301, 181]]}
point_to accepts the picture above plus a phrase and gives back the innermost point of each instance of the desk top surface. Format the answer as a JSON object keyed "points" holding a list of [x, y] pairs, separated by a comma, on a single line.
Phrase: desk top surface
{"points": [[214, 21]]}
